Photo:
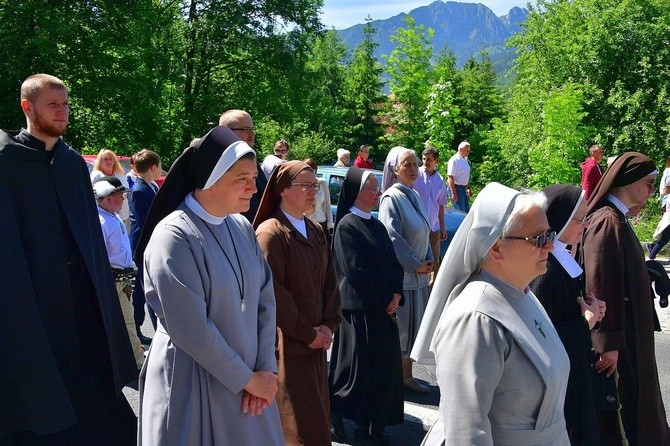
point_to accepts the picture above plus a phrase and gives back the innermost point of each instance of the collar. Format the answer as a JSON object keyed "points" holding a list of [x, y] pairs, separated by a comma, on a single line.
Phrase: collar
{"points": [[424, 171], [405, 187], [505, 288], [29, 140], [618, 204], [200, 211], [566, 260], [111, 214], [364, 215], [298, 223]]}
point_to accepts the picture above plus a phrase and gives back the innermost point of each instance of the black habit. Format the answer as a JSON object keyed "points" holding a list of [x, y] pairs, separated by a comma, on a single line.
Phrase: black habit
{"points": [[64, 350], [365, 376], [558, 292]]}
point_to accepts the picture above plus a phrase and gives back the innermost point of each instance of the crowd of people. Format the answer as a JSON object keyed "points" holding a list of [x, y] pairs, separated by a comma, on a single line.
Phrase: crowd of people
{"points": [[538, 323]]}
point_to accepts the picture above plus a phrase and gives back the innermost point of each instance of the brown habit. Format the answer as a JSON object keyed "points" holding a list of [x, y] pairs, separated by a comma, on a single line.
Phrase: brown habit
{"points": [[307, 296], [615, 271]]}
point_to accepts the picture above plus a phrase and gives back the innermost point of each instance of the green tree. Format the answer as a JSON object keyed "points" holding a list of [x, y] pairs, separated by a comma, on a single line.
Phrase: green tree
{"points": [[442, 115], [617, 54], [248, 55], [324, 108], [411, 77], [479, 102], [364, 97], [110, 54]]}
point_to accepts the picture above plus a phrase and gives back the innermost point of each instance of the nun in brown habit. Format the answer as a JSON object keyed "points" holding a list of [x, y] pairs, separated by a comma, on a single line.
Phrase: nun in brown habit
{"points": [[308, 301], [615, 272]]}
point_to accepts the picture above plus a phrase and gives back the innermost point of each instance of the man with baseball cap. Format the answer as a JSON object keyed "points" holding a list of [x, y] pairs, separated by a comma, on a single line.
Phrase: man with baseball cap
{"points": [[110, 193]]}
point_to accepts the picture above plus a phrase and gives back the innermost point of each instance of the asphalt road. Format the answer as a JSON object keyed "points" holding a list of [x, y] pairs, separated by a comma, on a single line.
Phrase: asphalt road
{"points": [[421, 410]]}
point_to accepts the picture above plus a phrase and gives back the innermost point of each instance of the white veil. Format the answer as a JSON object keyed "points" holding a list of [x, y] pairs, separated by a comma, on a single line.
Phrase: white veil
{"points": [[475, 237]]}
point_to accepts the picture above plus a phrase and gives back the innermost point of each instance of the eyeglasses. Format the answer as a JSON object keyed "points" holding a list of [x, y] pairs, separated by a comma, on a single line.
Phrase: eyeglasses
{"points": [[539, 240], [374, 190], [245, 129], [281, 150], [582, 221], [315, 186]]}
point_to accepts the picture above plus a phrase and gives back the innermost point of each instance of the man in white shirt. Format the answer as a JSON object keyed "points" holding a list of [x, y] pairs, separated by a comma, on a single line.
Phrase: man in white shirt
{"points": [[458, 177], [110, 195]]}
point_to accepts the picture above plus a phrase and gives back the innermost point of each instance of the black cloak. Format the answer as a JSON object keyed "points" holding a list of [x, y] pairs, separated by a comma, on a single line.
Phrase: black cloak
{"points": [[64, 350]]}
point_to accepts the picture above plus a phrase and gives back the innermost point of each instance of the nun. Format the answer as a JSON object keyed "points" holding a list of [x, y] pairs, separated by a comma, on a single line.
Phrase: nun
{"points": [[571, 310], [210, 375], [500, 364], [615, 271], [402, 213], [308, 301], [365, 376]]}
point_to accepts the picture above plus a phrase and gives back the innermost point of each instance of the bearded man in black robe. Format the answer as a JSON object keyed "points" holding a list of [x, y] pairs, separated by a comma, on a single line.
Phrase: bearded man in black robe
{"points": [[64, 351]]}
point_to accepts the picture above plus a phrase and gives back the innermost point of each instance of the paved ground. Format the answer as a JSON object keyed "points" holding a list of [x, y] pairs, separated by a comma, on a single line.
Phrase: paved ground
{"points": [[421, 410]]}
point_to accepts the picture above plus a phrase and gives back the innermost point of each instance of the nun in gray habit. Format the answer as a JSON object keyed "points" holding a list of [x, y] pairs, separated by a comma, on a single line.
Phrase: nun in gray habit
{"points": [[402, 213], [210, 376], [500, 364]]}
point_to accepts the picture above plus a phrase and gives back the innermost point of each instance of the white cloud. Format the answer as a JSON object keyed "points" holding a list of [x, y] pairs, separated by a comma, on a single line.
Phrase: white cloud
{"points": [[345, 13]]}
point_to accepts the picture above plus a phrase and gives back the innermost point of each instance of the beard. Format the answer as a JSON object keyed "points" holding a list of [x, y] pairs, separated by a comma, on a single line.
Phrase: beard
{"points": [[47, 128]]}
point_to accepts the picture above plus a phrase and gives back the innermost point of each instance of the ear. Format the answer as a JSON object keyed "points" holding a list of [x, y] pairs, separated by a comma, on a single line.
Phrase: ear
{"points": [[495, 253], [26, 106]]}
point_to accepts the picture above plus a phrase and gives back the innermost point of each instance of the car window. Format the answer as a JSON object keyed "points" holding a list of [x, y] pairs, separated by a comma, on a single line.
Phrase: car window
{"points": [[335, 186]]}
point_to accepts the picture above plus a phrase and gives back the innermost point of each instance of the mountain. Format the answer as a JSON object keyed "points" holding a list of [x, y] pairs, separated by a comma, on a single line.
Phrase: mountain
{"points": [[465, 28]]}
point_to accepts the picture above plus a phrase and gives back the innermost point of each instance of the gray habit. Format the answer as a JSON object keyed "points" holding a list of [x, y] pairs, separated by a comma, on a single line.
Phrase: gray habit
{"points": [[501, 368], [205, 348], [402, 213]]}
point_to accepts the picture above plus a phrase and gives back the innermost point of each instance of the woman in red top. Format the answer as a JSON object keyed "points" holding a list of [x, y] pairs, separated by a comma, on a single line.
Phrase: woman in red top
{"points": [[362, 160]]}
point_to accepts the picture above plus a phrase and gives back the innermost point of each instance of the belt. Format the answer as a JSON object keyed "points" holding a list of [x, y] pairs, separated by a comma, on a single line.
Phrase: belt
{"points": [[124, 274]]}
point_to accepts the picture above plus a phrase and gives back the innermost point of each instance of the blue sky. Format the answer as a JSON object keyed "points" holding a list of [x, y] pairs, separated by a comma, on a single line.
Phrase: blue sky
{"points": [[345, 13]]}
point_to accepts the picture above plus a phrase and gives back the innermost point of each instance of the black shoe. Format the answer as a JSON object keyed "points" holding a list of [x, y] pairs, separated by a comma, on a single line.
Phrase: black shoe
{"points": [[337, 431], [415, 386], [378, 438]]}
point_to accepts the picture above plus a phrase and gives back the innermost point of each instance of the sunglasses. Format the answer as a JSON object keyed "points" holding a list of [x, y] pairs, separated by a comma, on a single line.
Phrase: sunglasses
{"points": [[540, 241]]}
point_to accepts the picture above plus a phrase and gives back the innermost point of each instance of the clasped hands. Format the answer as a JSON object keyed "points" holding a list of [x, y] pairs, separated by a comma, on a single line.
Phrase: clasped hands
{"points": [[426, 267], [323, 339], [261, 389], [259, 392], [592, 309]]}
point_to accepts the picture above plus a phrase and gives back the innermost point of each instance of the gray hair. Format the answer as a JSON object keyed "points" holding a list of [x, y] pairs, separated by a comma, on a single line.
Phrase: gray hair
{"points": [[341, 153], [524, 202]]}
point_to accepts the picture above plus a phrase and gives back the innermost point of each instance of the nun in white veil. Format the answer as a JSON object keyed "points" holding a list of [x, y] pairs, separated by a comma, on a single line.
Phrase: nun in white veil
{"points": [[498, 360], [402, 213]]}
